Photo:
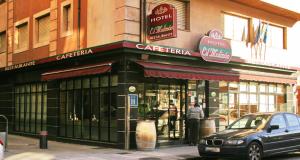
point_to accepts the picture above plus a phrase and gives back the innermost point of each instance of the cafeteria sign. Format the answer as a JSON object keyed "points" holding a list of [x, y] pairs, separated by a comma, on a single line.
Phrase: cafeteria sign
{"points": [[162, 23], [213, 48]]}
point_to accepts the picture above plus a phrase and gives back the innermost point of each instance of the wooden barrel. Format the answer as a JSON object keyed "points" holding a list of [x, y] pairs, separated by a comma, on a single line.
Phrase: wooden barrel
{"points": [[145, 135], [207, 127]]}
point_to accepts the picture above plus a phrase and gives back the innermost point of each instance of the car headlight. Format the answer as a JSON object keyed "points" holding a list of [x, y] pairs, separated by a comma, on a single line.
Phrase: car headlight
{"points": [[234, 142], [202, 141]]}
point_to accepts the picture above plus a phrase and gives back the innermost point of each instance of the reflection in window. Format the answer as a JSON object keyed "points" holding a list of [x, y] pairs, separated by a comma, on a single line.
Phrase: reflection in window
{"points": [[88, 108], [278, 120], [235, 27], [31, 108]]}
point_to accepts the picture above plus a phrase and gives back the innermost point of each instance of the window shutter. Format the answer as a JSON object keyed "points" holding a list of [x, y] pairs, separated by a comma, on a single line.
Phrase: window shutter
{"points": [[22, 41], [66, 18], [181, 7], [43, 29], [2, 42]]}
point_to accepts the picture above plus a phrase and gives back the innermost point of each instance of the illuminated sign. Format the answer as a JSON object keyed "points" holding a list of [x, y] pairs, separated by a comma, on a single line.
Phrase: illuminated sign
{"points": [[162, 23]]}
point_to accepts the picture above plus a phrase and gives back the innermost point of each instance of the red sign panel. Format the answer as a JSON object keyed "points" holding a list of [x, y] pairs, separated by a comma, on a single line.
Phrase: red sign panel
{"points": [[162, 23], [213, 48]]}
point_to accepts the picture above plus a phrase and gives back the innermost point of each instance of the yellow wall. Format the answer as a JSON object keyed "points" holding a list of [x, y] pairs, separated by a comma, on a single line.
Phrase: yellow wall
{"points": [[112, 20], [207, 14], [3, 17]]}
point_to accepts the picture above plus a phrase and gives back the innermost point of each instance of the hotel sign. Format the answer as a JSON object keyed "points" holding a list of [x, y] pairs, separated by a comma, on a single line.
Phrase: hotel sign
{"points": [[213, 48], [162, 23]]}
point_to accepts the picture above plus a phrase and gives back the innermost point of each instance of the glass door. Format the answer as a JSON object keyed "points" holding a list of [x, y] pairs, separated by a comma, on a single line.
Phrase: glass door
{"points": [[165, 103]]}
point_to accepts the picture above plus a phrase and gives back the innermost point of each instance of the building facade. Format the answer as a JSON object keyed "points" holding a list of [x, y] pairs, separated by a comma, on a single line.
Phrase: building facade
{"points": [[88, 71]]}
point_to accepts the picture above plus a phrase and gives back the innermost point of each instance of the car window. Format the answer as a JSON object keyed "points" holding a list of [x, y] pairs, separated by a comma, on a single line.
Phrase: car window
{"points": [[278, 120], [250, 122], [292, 120]]}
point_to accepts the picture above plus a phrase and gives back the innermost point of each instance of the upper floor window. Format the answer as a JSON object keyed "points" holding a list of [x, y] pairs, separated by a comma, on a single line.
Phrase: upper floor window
{"points": [[42, 28], [2, 1], [66, 18], [182, 8], [272, 35], [275, 35], [2, 42], [21, 36], [235, 27]]}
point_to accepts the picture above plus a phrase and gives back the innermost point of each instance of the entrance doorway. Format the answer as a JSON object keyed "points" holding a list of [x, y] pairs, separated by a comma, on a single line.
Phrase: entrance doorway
{"points": [[167, 107], [167, 104]]}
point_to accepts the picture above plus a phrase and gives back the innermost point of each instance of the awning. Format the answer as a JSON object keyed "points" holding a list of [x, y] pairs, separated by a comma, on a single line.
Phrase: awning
{"points": [[268, 78], [186, 72], [77, 71]]}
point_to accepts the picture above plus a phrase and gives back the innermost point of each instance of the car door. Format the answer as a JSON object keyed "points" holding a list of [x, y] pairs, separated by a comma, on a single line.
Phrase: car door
{"points": [[293, 131], [274, 140]]}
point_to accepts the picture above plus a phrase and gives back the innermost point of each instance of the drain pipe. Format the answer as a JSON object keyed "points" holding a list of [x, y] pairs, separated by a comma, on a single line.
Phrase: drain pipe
{"points": [[143, 21], [78, 24]]}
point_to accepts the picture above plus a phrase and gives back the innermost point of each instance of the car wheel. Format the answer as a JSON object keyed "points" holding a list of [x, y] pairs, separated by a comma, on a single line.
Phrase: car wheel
{"points": [[254, 151]]}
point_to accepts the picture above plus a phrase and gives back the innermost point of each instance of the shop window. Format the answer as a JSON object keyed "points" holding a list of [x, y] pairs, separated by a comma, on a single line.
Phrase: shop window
{"points": [[182, 7], [42, 28], [88, 108], [66, 18], [21, 36], [31, 108], [236, 27], [2, 42]]}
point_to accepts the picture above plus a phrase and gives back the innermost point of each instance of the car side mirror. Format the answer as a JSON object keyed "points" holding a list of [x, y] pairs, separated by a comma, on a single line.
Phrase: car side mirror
{"points": [[273, 127]]}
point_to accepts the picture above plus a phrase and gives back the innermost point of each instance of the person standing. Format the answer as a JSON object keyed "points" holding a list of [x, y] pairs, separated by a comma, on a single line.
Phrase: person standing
{"points": [[194, 115], [173, 115]]}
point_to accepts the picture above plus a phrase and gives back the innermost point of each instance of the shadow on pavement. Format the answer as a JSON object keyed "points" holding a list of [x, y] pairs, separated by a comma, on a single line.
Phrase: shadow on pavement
{"points": [[290, 156]]}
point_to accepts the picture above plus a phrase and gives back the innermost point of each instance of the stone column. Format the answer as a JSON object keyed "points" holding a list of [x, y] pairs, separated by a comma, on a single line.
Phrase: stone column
{"points": [[53, 28], [10, 31]]}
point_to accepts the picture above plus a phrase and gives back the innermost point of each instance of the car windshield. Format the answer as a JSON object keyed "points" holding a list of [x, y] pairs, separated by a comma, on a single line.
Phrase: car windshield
{"points": [[250, 122]]}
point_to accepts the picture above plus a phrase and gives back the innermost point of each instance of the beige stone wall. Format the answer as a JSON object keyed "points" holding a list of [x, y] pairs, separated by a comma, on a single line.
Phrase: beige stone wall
{"points": [[3, 27], [3, 17], [112, 20]]}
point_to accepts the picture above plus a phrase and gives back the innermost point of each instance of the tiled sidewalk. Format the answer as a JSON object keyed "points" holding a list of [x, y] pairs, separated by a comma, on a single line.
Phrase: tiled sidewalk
{"points": [[23, 148]]}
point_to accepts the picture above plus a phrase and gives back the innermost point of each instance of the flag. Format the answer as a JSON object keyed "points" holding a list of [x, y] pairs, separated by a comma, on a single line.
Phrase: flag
{"points": [[266, 34], [244, 35], [258, 34]]}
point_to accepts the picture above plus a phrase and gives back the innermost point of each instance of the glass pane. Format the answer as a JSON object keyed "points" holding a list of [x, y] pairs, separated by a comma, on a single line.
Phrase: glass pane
{"points": [[86, 83], [95, 114], [70, 113], [104, 81], [63, 85], [253, 87], [262, 88], [95, 82], [86, 104], [33, 88], [70, 84], [280, 89], [272, 88], [263, 103], [114, 80], [233, 86], [77, 84], [243, 87]]}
